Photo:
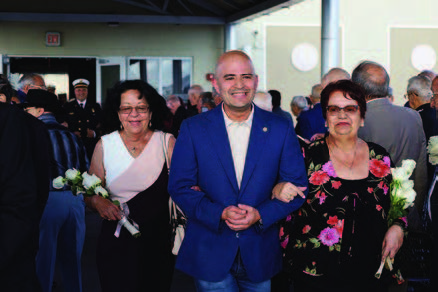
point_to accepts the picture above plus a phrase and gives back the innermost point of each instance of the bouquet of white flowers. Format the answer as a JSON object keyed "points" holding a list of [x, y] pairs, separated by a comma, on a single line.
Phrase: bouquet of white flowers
{"points": [[90, 185], [402, 197]]}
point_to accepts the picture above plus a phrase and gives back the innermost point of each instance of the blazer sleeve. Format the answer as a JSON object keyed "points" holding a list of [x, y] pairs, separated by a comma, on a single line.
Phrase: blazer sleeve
{"points": [[292, 169], [19, 212], [183, 175]]}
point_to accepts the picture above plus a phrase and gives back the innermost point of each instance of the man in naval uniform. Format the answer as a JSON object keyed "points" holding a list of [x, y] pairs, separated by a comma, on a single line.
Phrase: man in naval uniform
{"points": [[83, 116]]}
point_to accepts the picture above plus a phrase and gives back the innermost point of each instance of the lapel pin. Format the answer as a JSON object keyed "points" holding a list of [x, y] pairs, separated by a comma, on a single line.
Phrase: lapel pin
{"points": [[265, 129]]}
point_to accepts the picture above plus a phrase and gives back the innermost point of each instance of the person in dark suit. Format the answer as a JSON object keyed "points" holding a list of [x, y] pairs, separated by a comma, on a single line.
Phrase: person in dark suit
{"points": [[276, 105], [83, 116], [24, 180], [236, 154]]}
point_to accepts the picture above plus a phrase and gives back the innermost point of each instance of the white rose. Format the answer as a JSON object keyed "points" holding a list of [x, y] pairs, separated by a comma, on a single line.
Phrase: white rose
{"points": [[90, 181], [71, 174], [407, 185], [59, 182], [432, 146], [433, 159], [101, 191], [410, 197], [399, 174], [408, 165]]}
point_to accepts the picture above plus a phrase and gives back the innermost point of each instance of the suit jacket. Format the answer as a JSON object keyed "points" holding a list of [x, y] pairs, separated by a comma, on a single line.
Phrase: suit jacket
{"points": [[400, 131], [24, 181], [202, 157], [312, 122]]}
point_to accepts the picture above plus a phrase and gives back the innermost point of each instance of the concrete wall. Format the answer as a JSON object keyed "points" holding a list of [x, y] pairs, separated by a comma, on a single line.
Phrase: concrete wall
{"points": [[203, 43]]}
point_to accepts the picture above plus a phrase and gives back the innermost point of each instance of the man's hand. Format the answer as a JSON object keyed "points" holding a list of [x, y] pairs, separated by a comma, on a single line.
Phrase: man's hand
{"points": [[246, 216], [317, 136], [286, 192]]}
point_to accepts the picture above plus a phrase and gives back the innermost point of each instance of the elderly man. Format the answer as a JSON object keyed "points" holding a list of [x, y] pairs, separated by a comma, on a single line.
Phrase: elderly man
{"points": [[334, 75], [62, 226], [29, 81], [263, 100], [179, 113], [194, 93], [235, 153], [398, 129]]}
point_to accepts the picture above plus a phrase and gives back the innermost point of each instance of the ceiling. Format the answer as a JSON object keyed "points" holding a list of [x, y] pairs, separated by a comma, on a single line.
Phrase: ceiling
{"points": [[140, 11]]}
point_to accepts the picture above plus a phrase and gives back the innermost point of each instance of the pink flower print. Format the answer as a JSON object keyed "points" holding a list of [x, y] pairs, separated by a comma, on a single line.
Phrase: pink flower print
{"points": [[387, 160], [319, 178], [370, 190], [329, 169], [322, 198], [288, 218], [384, 187], [405, 220], [336, 184], [285, 242], [333, 220], [379, 168], [281, 232], [306, 229], [378, 207], [329, 236]]}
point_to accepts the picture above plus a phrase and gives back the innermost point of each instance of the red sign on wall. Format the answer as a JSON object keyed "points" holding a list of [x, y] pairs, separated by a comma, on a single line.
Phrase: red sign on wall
{"points": [[53, 39]]}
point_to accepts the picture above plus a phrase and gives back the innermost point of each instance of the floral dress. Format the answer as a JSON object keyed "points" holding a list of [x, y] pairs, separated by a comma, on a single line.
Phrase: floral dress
{"points": [[335, 241]]}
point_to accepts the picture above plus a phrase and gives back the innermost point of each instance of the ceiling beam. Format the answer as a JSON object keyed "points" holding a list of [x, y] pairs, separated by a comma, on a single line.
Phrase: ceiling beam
{"points": [[105, 18], [165, 4], [209, 7], [185, 7], [264, 7], [144, 6]]}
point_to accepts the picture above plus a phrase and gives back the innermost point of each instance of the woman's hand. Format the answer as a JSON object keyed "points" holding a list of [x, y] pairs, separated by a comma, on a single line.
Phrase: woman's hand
{"points": [[392, 242], [106, 209], [286, 192]]}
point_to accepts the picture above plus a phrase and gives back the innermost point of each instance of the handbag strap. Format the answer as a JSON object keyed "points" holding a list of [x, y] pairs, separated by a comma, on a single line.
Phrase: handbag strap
{"points": [[166, 138]]}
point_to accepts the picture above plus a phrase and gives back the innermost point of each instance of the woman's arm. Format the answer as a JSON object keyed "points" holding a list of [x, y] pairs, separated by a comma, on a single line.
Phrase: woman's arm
{"points": [[106, 209]]}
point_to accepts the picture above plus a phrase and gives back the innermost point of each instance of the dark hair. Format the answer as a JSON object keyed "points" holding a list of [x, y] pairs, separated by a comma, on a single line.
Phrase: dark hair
{"points": [[206, 96], [373, 78], [276, 97], [157, 104], [6, 88], [347, 87]]}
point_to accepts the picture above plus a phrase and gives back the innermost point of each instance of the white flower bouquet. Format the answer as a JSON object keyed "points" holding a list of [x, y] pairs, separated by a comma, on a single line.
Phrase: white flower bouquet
{"points": [[90, 185], [432, 149], [402, 197]]}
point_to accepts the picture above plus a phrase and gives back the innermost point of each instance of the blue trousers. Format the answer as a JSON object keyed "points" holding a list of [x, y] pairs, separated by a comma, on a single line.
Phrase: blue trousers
{"points": [[62, 233], [235, 281]]}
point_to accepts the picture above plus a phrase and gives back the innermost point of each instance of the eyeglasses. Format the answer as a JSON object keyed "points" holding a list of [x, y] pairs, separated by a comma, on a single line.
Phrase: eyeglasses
{"points": [[349, 109], [126, 110]]}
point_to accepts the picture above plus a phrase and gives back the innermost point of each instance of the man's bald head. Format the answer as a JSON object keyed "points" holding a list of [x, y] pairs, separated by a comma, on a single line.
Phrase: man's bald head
{"points": [[334, 75], [373, 78], [263, 100], [232, 55]]}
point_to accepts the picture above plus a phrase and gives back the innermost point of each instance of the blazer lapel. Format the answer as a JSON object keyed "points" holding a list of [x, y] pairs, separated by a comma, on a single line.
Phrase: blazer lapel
{"points": [[257, 140], [219, 137]]}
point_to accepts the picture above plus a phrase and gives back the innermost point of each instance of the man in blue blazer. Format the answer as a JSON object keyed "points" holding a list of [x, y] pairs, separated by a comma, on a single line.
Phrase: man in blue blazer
{"points": [[236, 154]]}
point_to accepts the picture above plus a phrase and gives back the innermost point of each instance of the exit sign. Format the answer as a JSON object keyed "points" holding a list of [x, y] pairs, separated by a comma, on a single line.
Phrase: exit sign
{"points": [[53, 39]]}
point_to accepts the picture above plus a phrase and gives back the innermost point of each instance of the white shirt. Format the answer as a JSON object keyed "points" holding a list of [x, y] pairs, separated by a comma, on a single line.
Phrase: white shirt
{"points": [[238, 135], [82, 103]]}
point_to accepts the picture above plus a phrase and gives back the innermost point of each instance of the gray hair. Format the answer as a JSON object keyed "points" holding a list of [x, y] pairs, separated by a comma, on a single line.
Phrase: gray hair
{"points": [[420, 85], [29, 79], [333, 75], [300, 102], [373, 78]]}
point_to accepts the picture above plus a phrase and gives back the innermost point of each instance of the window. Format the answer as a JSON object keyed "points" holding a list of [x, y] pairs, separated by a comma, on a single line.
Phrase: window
{"points": [[167, 75]]}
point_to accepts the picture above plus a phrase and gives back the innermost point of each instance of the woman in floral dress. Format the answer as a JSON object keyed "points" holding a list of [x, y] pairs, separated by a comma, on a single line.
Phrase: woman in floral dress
{"points": [[340, 234]]}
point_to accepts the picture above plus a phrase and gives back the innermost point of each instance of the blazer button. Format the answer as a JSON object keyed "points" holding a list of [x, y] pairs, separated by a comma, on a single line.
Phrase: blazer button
{"points": [[237, 234]]}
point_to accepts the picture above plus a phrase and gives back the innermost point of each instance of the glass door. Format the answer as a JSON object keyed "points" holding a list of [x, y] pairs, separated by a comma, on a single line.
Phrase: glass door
{"points": [[109, 71]]}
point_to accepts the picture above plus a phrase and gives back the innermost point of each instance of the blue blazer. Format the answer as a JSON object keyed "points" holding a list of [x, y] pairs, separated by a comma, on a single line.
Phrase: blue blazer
{"points": [[202, 157], [312, 122]]}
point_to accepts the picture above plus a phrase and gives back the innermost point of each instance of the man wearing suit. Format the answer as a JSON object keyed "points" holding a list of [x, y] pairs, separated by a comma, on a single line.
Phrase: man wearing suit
{"points": [[24, 181], [83, 116], [236, 154], [398, 129]]}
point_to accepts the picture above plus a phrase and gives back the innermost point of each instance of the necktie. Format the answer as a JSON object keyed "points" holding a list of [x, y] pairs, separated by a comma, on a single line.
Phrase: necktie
{"points": [[82, 105]]}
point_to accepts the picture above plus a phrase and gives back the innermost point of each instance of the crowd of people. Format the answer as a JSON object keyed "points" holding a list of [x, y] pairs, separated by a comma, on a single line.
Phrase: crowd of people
{"points": [[271, 206]]}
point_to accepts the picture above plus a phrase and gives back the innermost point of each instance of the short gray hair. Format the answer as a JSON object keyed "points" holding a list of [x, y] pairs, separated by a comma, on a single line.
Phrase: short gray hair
{"points": [[300, 102], [420, 85], [29, 79]]}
